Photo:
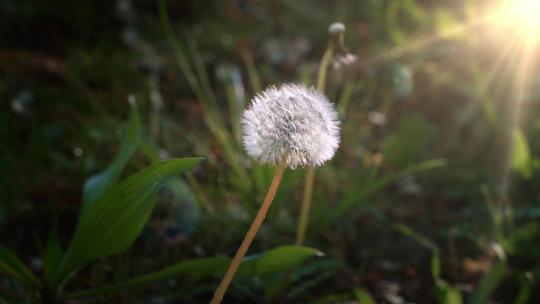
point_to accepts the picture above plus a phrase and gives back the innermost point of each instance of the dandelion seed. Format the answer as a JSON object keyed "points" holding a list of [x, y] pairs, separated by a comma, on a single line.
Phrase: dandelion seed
{"points": [[292, 122]]}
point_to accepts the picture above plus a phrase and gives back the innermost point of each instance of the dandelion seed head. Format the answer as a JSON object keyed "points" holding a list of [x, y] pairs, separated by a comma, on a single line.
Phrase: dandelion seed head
{"points": [[292, 122]]}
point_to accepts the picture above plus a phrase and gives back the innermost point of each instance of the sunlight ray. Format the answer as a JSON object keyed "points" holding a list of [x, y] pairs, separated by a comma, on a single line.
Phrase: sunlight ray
{"points": [[517, 18], [500, 65], [519, 96]]}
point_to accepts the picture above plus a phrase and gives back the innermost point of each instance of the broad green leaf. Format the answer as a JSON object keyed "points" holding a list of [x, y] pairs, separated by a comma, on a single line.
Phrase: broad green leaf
{"points": [[363, 297], [409, 142], [11, 265], [489, 283], [278, 259], [275, 260], [96, 185], [447, 294], [115, 220], [521, 155], [53, 252]]}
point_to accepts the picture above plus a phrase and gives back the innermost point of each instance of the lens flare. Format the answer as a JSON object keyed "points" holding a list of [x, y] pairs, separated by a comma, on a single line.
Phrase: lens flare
{"points": [[522, 16]]}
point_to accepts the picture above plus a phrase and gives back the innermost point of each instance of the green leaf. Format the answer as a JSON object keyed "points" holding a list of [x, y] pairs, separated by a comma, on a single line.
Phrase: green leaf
{"points": [[526, 289], [11, 265], [114, 221], [96, 185], [409, 142], [275, 260], [521, 154], [489, 283], [363, 297], [447, 294], [53, 252]]}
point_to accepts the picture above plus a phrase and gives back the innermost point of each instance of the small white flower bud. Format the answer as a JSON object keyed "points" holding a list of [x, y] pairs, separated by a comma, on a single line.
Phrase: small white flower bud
{"points": [[336, 28]]}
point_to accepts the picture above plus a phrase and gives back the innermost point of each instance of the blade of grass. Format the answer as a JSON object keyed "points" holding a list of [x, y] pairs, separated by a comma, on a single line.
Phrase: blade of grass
{"points": [[253, 74], [200, 84]]}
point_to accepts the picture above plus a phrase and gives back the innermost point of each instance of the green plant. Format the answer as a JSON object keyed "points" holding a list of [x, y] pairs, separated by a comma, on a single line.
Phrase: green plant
{"points": [[107, 225], [112, 216]]}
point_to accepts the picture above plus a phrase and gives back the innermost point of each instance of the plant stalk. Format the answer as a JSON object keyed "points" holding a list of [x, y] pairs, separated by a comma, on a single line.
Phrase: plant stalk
{"points": [[250, 235], [306, 206], [323, 67], [310, 174]]}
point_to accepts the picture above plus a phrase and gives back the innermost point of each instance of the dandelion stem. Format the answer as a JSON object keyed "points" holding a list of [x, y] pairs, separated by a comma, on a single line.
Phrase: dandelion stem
{"points": [[250, 235], [323, 67], [310, 174]]}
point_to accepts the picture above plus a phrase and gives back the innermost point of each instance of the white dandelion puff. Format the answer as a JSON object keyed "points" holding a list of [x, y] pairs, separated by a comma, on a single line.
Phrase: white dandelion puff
{"points": [[291, 122]]}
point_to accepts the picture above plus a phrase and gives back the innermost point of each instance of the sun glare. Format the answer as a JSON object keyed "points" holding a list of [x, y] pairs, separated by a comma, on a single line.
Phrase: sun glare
{"points": [[522, 16]]}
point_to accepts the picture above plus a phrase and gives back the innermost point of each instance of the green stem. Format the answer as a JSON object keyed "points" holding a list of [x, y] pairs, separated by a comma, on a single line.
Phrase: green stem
{"points": [[306, 206], [323, 67]]}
